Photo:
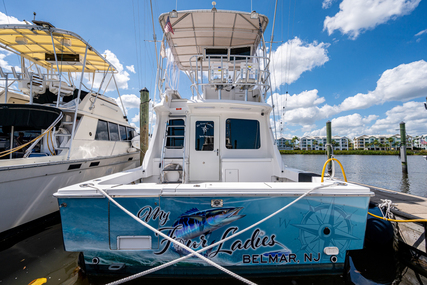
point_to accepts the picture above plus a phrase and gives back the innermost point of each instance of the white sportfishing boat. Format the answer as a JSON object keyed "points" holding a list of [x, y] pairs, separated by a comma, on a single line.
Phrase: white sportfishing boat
{"points": [[213, 189], [52, 132]]}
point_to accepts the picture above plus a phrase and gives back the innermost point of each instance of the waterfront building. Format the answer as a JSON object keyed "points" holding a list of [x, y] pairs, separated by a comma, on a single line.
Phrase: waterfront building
{"points": [[420, 142], [381, 142], [319, 143], [285, 143]]}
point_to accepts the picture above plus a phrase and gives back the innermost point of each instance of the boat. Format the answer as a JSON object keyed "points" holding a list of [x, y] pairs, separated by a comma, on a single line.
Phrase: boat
{"points": [[54, 131], [213, 194]]}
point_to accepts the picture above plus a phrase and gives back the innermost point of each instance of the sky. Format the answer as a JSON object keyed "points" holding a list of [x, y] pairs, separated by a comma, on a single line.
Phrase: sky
{"points": [[361, 64]]}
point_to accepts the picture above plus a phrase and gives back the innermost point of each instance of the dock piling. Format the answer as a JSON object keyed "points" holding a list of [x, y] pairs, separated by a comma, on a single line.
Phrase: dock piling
{"points": [[403, 157], [329, 144], [144, 122]]}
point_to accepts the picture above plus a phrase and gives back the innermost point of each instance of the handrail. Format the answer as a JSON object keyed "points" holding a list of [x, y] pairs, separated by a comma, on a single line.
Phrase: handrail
{"points": [[324, 167], [261, 77]]}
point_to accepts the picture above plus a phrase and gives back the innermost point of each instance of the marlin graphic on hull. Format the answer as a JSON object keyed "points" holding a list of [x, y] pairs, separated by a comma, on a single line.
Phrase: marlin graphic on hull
{"points": [[195, 223]]}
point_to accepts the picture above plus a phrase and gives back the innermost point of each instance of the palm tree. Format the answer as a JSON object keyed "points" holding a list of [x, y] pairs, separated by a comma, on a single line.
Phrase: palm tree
{"points": [[314, 144], [334, 143], [295, 138], [376, 143], [349, 143], [390, 142]]}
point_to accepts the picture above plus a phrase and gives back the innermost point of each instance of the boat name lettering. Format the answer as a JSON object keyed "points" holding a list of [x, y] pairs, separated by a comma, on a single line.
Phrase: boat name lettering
{"points": [[146, 213], [277, 258], [256, 241]]}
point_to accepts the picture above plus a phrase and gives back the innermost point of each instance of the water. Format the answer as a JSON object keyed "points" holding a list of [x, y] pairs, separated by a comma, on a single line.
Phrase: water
{"points": [[41, 254], [383, 171]]}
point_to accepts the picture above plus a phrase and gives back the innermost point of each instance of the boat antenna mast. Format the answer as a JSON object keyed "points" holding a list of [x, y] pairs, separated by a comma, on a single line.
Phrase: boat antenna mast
{"points": [[271, 88]]}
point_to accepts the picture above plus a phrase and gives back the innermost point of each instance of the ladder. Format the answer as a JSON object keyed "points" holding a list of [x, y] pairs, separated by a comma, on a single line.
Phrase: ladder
{"points": [[173, 147]]}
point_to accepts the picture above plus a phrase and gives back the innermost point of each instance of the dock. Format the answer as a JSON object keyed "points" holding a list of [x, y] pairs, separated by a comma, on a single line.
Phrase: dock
{"points": [[408, 207]]}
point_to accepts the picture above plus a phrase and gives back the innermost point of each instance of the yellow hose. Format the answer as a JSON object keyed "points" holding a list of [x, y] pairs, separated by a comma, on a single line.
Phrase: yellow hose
{"points": [[38, 281], [324, 167], [399, 221]]}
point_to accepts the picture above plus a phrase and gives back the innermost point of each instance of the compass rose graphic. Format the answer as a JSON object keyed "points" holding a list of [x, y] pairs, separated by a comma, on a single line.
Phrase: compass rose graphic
{"points": [[323, 226]]}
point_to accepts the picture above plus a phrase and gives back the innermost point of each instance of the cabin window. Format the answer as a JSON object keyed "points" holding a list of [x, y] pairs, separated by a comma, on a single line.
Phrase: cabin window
{"points": [[175, 134], [130, 132], [114, 132], [242, 134], [243, 51], [123, 134], [205, 135], [102, 131], [216, 53]]}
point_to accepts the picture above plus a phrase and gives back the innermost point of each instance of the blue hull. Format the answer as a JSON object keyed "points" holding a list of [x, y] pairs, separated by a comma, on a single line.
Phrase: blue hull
{"points": [[293, 241]]}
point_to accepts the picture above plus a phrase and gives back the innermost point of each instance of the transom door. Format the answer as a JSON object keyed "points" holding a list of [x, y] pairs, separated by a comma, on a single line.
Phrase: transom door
{"points": [[204, 149]]}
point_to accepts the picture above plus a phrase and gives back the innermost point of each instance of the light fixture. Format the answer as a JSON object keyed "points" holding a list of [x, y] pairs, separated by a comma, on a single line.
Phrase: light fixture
{"points": [[173, 14], [213, 8], [21, 40], [254, 15], [66, 42]]}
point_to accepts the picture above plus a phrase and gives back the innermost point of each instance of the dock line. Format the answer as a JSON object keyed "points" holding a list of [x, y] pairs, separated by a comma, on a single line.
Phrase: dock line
{"points": [[132, 277], [398, 221]]}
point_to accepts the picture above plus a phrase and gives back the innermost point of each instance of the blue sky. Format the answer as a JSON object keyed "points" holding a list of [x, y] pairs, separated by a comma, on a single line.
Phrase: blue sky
{"points": [[360, 64]]}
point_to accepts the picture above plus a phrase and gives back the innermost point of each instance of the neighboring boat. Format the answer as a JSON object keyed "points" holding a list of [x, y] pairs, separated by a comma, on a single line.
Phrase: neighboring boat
{"points": [[53, 133], [212, 170]]}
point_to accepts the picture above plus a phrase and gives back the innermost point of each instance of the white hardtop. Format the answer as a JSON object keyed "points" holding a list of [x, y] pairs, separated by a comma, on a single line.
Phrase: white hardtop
{"points": [[195, 30]]}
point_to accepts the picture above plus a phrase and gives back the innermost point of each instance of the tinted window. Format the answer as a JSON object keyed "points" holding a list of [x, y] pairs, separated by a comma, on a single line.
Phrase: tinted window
{"points": [[216, 52], [114, 132], [242, 134], [123, 135], [130, 133], [175, 133], [240, 51], [204, 135], [101, 130]]}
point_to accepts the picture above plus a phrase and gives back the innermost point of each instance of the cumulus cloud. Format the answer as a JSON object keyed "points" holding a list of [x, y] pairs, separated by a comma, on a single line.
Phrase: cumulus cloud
{"points": [[305, 99], [293, 58], [302, 109], [122, 76], [402, 83], [131, 68], [130, 101], [357, 16], [349, 126], [4, 20], [412, 113]]}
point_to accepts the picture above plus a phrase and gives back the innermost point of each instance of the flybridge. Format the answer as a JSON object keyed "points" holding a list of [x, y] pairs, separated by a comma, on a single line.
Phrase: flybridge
{"points": [[226, 46]]}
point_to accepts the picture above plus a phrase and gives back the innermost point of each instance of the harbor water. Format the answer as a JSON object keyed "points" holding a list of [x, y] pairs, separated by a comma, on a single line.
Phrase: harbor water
{"points": [[41, 253], [384, 171]]}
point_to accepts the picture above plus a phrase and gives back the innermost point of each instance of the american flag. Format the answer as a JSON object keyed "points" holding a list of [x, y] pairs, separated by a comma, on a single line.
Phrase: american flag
{"points": [[423, 141], [168, 27]]}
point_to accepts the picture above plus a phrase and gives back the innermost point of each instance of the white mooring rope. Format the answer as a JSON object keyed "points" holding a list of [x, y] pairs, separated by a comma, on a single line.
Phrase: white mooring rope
{"points": [[197, 253]]}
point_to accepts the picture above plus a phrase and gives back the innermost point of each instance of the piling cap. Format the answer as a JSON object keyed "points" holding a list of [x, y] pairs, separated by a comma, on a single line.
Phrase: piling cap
{"points": [[402, 122], [144, 90]]}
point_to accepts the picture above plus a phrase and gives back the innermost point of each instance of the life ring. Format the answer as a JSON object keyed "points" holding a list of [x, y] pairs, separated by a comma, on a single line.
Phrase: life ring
{"points": [[60, 139]]}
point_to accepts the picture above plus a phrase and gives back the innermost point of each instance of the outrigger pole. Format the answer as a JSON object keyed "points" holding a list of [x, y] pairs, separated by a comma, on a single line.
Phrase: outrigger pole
{"points": [[271, 87]]}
